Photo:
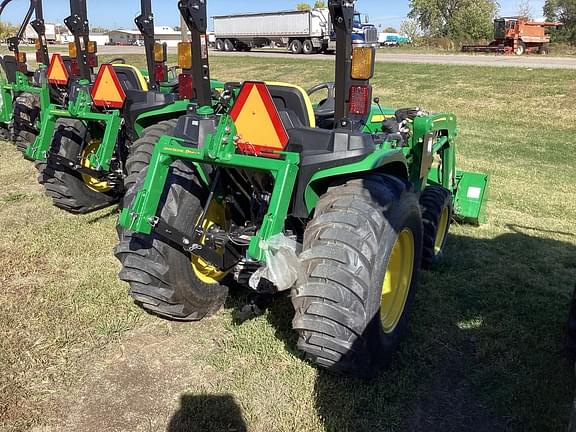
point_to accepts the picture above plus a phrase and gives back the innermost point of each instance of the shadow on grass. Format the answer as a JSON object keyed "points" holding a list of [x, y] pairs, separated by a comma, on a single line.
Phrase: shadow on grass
{"points": [[484, 349], [203, 413]]}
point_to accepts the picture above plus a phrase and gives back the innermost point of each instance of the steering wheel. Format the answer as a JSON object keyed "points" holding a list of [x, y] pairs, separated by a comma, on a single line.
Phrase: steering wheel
{"points": [[118, 60], [327, 107]]}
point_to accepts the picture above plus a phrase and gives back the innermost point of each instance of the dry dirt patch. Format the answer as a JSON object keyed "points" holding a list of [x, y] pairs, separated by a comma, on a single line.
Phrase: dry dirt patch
{"points": [[139, 384]]}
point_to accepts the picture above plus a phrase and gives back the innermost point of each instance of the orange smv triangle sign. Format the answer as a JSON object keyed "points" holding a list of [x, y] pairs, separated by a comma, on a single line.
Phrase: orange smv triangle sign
{"points": [[107, 91], [57, 73], [257, 121]]}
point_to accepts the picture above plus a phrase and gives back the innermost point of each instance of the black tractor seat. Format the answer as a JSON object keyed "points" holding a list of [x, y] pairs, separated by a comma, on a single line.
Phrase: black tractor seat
{"points": [[130, 78], [140, 101]]}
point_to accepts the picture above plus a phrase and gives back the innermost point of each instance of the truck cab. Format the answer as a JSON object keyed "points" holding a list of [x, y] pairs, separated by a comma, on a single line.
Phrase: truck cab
{"points": [[364, 33]]}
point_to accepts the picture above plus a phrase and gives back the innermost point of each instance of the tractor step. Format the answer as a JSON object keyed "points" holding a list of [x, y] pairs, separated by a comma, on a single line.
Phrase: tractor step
{"points": [[471, 197]]}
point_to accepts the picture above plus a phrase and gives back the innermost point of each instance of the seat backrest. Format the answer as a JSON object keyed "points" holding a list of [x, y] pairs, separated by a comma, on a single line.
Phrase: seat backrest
{"points": [[130, 77], [293, 99], [10, 66]]}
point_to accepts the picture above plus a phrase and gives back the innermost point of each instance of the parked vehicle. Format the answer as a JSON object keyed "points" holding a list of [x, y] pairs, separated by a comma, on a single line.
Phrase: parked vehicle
{"points": [[340, 202], [392, 39], [83, 144], [302, 32], [25, 94], [517, 35]]}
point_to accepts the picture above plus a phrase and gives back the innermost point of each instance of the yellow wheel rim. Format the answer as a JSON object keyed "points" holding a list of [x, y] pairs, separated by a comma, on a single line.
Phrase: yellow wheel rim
{"points": [[93, 183], [397, 281], [204, 271], [441, 231]]}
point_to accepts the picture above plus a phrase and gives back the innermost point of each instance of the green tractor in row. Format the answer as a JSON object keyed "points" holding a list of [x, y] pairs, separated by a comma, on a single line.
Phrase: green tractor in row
{"points": [[341, 203], [24, 94], [84, 143]]}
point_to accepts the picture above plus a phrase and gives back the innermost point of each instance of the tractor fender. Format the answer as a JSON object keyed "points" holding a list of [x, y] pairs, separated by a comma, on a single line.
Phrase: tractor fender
{"points": [[163, 111], [391, 162]]}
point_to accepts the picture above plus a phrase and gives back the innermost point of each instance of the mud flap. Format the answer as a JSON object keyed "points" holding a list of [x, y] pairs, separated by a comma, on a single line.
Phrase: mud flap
{"points": [[471, 197]]}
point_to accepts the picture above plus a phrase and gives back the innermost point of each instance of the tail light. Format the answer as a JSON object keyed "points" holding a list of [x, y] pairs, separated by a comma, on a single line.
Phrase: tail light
{"points": [[160, 72], [359, 102], [92, 60], [185, 87], [74, 68]]}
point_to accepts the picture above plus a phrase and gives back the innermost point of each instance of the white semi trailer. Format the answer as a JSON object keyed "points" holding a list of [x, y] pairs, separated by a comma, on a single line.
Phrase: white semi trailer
{"points": [[304, 32]]}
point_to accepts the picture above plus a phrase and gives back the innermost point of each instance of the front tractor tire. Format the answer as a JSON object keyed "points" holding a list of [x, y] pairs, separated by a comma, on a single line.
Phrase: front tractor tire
{"points": [[70, 190], [164, 279], [436, 204], [362, 254], [26, 113]]}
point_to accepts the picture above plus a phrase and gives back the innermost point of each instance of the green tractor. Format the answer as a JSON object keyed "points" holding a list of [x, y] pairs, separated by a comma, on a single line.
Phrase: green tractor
{"points": [[24, 95], [83, 144], [341, 203]]}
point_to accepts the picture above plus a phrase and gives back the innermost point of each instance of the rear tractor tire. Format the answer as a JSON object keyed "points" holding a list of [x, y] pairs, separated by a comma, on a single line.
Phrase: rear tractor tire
{"points": [[70, 190], [436, 204], [164, 279], [26, 113], [362, 254], [4, 133]]}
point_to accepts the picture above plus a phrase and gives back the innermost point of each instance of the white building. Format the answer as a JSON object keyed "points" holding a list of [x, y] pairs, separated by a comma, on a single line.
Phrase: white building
{"points": [[130, 37], [99, 38]]}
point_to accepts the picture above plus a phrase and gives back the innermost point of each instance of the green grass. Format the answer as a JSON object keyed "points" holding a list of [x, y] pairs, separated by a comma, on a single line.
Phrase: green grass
{"points": [[484, 347]]}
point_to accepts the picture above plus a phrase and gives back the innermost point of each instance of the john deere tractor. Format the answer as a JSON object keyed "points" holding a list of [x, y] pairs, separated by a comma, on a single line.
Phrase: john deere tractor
{"points": [[24, 95], [341, 203], [83, 144]]}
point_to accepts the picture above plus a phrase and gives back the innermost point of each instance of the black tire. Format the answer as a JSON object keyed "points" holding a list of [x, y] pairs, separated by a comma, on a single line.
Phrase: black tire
{"points": [[308, 47], [347, 248], [228, 45], [4, 133], [159, 273], [295, 47], [543, 50], [26, 114], [521, 49], [66, 187], [219, 45], [436, 204]]}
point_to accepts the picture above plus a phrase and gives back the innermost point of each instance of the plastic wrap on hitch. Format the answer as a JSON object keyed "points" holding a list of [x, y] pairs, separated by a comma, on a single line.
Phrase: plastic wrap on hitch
{"points": [[283, 267]]}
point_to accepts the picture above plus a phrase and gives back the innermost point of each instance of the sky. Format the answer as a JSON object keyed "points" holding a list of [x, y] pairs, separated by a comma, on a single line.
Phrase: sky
{"points": [[120, 13]]}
